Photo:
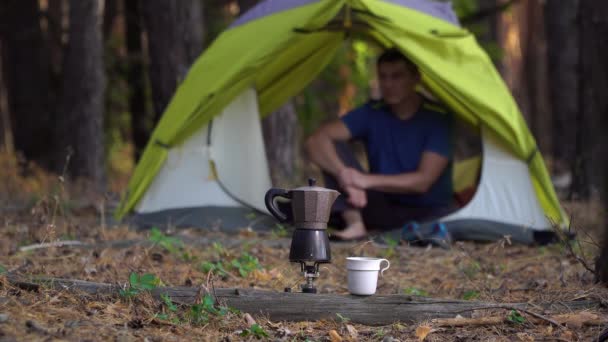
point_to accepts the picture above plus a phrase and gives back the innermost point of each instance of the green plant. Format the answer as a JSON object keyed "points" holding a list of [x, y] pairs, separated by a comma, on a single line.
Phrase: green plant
{"points": [[471, 269], [2, 269], [168, 302], [199, 313], [139, 283], [219, 248], [343, 319], [516, 317], [245, 264], [214, 267], [470, 295], [256, 331], [415, 291], [392, 243], [379, 334], [279, 231], [169, 243]]}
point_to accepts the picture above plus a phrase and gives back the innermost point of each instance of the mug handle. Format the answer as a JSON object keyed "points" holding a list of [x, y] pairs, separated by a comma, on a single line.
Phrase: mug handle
{"points": [[388, 264]]}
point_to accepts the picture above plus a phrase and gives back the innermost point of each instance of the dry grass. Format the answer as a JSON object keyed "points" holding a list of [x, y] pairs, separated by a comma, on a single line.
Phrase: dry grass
{"points": [[491, 272], [497, 272]]}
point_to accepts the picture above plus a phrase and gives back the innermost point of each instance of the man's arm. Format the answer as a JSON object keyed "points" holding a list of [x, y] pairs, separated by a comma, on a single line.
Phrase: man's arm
{"points": [[321, 149], [420, 181]]}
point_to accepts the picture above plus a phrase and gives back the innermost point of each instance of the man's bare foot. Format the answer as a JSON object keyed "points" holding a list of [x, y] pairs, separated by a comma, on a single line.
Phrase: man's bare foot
{"points": [[353, 231]]}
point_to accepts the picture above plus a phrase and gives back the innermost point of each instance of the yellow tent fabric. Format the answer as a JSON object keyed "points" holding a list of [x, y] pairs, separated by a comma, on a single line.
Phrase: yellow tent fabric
{"points": [[274, 55]]}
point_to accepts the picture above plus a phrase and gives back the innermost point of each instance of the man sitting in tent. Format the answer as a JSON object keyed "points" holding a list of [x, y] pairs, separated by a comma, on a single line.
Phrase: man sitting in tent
{"points": [[409, 152]]}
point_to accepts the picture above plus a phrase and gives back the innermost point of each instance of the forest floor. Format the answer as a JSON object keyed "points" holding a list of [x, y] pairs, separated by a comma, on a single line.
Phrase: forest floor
{"points": [[493, 272]]}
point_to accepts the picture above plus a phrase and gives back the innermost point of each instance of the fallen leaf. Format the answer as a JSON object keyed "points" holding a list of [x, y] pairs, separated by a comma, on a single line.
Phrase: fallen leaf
{"points": [[525, 337], [116, 309], [354, 334], [399, 327], [261, 275], [334, 336], [422, 331], [250, 321], [276, 273], [274, 325], [567, 335], [247, 232]]}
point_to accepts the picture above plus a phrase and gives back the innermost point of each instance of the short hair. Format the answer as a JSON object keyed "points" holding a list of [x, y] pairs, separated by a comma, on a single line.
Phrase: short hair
{"points": [[393, 55]]}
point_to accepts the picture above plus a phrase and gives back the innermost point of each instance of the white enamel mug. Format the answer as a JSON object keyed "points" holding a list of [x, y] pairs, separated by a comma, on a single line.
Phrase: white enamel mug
{"points": [[363, 274]]}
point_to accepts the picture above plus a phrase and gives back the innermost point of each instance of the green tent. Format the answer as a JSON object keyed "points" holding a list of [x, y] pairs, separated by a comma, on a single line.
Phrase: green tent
{"points": [[277, 48]]}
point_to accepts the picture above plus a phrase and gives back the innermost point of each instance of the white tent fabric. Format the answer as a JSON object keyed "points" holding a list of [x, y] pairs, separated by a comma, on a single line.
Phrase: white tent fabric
{"points": [[236, 148], [238, 151], [505, 193]]}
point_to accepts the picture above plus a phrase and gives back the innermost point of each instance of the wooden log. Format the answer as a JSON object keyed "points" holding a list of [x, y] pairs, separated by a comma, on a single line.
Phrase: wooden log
{"points": [[575, 320], [288, 306], [464, 322]]}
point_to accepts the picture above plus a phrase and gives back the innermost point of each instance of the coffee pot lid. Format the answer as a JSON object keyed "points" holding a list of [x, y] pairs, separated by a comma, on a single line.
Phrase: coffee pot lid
{"points": [[312, 187]]}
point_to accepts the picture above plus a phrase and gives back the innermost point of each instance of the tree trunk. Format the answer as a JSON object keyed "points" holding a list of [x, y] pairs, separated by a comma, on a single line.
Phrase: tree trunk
{"points": [[587, 170], [57, 18], [510, 27], [141, 124], [80, 125], [594, 79], [521, 36], [6, 131], [281, 142], [562, 58], [175, 40], [535, 75], [27, 81], [110, 13]]}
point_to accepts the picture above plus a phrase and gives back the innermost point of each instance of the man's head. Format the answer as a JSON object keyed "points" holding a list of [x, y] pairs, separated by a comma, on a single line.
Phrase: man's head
{"points": [[397, 76]]}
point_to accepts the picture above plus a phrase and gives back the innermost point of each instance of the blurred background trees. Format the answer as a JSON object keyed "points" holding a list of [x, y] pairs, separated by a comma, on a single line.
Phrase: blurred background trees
{"points": [[84, 82]]}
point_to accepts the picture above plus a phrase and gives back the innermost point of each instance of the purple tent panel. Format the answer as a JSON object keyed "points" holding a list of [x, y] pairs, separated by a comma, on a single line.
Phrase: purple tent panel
{"points": [[268, 7], [441, 10]]}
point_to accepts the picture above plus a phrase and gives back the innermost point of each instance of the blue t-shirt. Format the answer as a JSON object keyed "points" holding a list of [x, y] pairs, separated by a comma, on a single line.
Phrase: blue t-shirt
{"points": [[395, 146]]}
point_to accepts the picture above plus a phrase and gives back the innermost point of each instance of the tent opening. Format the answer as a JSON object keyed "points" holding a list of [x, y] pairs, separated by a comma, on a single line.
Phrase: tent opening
{"points": [[273, 52]]}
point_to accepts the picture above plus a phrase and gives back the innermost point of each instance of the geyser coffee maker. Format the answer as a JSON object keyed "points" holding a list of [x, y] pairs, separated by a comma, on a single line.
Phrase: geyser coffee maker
{"points": [[310, 209]]}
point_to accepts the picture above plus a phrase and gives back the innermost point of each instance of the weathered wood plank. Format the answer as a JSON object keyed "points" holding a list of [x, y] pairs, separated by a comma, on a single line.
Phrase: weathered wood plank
{"points": [[284, 306]]}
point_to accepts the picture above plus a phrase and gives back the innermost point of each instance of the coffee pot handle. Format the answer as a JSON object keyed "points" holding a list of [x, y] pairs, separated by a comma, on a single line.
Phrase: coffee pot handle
{"points": [[269, 200]]}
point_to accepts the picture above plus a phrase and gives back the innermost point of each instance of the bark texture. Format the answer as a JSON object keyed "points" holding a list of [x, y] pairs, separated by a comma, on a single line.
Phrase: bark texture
{"points": [[6, 131], [27, 77], [141, 123], [175, 39], [82, 104], [280, 130], [562, 53], [521, 35], [594, 105]]}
